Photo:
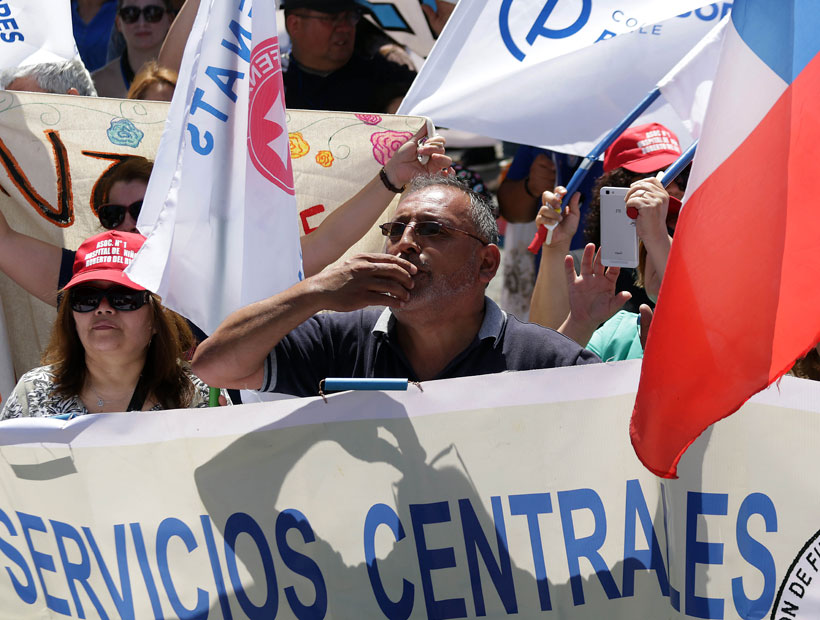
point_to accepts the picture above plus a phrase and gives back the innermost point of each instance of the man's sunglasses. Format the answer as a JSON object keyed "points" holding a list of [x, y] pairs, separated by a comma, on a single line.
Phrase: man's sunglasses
{"points": [[351, 17], [112, 215], [151, 13], [395, 230], [87, 298]]}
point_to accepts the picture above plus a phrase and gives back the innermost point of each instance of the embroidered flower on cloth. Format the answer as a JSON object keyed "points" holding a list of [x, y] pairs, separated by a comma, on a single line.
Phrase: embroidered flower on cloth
{"points": [[298, 146], [385, 143], [123, 132], [324, 158]]}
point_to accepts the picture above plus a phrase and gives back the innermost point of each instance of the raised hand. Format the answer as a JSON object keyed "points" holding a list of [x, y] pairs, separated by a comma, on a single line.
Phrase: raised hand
{"points": [[405, 163], [592, 296], [568, 217]]}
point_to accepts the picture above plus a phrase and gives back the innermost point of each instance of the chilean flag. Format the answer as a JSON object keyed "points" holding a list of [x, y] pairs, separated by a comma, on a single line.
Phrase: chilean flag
{"points": [[740, 300]]}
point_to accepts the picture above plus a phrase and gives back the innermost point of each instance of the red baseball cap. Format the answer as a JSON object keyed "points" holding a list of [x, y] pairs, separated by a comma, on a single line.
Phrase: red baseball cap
{"points": [[644, 148], [105, 257]]}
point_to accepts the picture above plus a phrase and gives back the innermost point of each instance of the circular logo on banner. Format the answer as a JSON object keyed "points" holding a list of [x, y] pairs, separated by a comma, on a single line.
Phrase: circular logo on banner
{"points": [[799, 596], [268, 142]]}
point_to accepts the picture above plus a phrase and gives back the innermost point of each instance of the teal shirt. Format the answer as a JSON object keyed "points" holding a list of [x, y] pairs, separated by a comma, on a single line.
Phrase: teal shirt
{"points": [[618, 339]]}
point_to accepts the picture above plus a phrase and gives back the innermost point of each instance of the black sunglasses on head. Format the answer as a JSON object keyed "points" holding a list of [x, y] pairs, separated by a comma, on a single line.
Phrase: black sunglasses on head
{"points": [[112, 215], [152, 13], [395, 230], [87, 298]]}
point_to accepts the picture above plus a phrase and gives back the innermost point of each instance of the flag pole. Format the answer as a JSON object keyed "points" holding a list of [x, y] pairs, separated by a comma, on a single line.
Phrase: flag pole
{"points": [[583, 169], [672, 172]]}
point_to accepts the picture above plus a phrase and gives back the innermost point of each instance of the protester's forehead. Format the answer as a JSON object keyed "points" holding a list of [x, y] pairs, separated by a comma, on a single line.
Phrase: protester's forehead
{"points": [[436, 200]]}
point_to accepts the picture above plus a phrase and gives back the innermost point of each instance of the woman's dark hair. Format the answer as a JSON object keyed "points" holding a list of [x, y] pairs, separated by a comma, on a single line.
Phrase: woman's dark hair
{"points": [[164, 374], [151, 73], [131, 168]]}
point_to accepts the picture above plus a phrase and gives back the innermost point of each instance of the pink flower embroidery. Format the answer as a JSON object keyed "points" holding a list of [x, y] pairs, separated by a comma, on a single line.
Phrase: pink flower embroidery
{"points": [[385, 143], [369, 119]]}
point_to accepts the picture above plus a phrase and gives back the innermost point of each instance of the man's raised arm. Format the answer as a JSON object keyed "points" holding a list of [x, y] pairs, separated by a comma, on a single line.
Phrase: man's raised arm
{"points": [[234, 355]]}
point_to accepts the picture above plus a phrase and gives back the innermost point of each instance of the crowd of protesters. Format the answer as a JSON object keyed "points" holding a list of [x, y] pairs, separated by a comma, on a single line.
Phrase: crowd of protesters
{"points": [[418, 310]]}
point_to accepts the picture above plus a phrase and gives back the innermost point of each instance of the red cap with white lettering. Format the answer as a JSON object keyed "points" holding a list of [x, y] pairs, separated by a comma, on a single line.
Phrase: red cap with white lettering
{"points": [[643, 149], [105, 257]]}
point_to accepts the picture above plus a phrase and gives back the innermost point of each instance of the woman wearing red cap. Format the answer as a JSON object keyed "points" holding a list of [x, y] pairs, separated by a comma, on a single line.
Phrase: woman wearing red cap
{"points": [[113, 346], [577, 305]]}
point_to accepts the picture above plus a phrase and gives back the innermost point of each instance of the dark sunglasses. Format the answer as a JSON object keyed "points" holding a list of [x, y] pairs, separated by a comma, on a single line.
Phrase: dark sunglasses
{"points": [[395, 230], [112, 215], [87, 298], [152, 13]]}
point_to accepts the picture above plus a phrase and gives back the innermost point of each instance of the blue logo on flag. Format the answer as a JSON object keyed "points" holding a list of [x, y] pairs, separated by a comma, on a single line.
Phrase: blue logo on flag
{"points": [[539, 27]]}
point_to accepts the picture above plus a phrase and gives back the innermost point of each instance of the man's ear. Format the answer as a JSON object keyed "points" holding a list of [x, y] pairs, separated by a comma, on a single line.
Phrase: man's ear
{"points": [[72, 91], [490, 260]]}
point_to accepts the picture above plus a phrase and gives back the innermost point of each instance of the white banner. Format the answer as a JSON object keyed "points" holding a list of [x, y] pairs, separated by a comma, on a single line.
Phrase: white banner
{"points": [[35, 31], [558, 74], [525, 500], [220, 212]]}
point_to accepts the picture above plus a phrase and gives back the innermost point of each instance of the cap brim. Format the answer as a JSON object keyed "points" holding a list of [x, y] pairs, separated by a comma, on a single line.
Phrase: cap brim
{"points": [[115, 276], [651, 163]]}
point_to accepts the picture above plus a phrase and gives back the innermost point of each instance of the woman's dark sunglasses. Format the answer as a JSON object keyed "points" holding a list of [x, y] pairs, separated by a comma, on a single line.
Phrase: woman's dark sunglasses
{"points": [[152, 13], [112, 215], [395, 230], [87, 298]]}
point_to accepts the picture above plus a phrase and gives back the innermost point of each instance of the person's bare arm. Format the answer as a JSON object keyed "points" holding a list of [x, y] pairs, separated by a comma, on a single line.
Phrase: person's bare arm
{"points": [[174, 45], [549, 305], [652, 203], [32, 264], [519, 200], [349, 222], [234, 355]]}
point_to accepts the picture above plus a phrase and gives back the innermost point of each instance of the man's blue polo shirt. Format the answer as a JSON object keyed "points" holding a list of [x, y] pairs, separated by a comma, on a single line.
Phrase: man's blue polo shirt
{"points": [[364, 344]]}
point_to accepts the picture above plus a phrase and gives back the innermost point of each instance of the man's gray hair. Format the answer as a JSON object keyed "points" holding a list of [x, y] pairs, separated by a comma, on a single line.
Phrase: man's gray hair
{"points": [[54, 77], [481, 210]]}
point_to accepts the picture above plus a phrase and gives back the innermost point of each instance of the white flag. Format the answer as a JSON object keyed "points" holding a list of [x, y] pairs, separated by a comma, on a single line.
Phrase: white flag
{"points": [[558, 74], [35, 31], [688, 85], [220, 212]]}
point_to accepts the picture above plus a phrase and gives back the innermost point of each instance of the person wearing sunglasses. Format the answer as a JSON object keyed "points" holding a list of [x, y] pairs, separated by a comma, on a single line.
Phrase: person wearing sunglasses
{"points": [[143, 24], [41, 268], [324, 70], [440, 254], [113, 346]]}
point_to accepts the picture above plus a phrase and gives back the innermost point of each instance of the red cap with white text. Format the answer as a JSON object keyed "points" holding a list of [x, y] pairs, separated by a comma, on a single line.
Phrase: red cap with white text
{"points": [[105, 257], [643, 149]]}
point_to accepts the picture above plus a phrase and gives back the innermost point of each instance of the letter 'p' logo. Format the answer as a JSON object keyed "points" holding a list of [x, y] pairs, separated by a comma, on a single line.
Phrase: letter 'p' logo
{"points": [[539, 27]]}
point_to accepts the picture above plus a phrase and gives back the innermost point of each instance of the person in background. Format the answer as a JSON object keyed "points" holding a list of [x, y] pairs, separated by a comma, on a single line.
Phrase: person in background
{"points": [[68, 77], [143, 24], [577, 304], [92, 21], [113, 346], [153, 83], [322, 71]]}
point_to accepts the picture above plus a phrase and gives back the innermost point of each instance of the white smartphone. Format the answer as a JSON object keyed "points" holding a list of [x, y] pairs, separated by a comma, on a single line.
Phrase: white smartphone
{"points": [[619, 236]]}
